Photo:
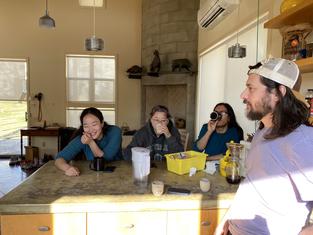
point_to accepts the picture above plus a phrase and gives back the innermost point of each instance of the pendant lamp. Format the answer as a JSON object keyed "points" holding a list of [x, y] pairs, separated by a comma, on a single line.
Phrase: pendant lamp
{"points": [[237, 51], [46, 21], [93, 43]]}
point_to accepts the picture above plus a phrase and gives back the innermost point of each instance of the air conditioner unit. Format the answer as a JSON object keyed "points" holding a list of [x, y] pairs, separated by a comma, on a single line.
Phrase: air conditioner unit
{"points": [[214, 11]]}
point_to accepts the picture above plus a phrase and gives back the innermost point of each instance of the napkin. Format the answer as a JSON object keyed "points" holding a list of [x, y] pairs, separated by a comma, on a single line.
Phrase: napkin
{"points": [[210, 167]]}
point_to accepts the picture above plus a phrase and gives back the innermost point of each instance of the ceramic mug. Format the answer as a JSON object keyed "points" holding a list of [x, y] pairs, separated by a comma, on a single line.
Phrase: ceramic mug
{"points": [[97, 164], [157, 187], [205, 185]]}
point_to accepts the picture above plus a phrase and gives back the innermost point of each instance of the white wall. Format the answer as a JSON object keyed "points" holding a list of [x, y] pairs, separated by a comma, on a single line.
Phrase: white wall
{"points": [[210, 84], [222, 79]]}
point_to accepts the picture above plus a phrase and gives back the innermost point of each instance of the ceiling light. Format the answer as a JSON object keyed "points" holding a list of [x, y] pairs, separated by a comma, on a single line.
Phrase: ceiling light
{"points": [[46, 21], [237, 51], [93, 43]]}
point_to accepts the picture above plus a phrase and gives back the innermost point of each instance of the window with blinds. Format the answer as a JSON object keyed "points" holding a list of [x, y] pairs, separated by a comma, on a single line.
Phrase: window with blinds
{"points": [[91, 82]]}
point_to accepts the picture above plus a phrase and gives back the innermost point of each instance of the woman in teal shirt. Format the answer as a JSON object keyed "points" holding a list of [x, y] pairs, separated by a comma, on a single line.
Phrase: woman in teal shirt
{"points": [[216, 133], [95, 138]]}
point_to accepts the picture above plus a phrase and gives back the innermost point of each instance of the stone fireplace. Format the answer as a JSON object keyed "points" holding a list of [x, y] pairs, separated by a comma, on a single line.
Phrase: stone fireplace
{"points": [[170, 26]]}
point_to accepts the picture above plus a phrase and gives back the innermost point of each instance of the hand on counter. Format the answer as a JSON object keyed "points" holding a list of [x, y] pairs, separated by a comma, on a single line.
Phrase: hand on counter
{"points": [[68, 169], [72, 171]]}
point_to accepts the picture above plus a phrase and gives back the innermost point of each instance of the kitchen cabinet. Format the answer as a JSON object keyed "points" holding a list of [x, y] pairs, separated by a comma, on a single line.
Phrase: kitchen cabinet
{"points": [[110, 203], [184, 222], [191, 222], [303, 13], [48, 224], [127, 223]]}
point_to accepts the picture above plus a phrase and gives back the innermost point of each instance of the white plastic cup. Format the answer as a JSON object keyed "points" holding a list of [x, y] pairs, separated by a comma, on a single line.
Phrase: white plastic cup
{"points": [[141, 165], [157, 188], [205, 185]]}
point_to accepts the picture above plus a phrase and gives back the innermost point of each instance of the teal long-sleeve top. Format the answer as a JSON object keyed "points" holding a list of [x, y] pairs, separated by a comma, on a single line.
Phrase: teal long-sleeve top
{"points": [[217, 141], [110, 144]]}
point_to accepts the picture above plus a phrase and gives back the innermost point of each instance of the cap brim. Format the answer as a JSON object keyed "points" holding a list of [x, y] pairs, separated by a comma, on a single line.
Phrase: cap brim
{"points": [[300, 97]]}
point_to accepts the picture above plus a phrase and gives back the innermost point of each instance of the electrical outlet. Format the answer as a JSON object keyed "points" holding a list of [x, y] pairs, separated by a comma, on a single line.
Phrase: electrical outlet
{"points": [[43, 144]]}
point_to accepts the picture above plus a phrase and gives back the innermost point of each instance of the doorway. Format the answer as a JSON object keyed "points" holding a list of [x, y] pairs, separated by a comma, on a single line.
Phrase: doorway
{"points": [[13, 104]]}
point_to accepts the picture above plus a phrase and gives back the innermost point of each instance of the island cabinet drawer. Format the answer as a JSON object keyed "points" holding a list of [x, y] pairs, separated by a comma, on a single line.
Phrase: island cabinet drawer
{"points": [[44, 224], [194, 222], [127, 223]]}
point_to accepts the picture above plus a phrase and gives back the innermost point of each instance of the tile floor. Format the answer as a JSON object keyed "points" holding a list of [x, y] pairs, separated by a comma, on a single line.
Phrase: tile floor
{"points": [[10, 176]]}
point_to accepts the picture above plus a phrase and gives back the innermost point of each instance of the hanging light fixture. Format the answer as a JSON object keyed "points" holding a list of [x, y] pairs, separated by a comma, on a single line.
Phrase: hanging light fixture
{"points": [[237, 51], [93, 43], [46, 21]]}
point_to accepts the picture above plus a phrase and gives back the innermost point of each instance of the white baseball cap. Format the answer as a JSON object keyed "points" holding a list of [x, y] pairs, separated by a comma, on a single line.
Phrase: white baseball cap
{"points": [[282, 71]]}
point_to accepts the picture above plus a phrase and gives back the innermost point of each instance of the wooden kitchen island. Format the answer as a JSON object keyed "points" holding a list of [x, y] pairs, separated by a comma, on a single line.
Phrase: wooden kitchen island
{"points": [[49, 202]]}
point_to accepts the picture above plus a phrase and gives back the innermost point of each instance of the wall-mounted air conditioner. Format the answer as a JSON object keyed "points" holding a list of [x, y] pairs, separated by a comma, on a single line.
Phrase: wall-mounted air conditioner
{"points": [[214, 11]]}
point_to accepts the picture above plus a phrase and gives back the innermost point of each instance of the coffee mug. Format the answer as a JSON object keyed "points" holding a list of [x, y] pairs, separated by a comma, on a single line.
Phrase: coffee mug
{"points": [[205, 185], [97, 164], [157, 187]]}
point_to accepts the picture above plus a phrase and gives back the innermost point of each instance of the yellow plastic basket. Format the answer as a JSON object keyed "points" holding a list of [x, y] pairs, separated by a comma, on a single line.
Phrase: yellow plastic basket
{"points": [[180, 163]]}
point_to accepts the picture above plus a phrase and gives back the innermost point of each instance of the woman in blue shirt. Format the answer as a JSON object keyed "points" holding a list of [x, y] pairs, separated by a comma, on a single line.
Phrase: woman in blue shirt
{"points": [[95, 138], [216, 133]]}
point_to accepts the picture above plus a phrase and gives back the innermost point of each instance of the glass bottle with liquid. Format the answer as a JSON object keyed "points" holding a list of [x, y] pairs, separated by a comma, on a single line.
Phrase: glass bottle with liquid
{"points": [[232, 167]]}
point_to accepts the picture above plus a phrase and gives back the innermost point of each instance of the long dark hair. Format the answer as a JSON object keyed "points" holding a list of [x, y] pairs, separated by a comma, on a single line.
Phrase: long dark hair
{"points": [[232, 119], [95, 112], [289, 112]]}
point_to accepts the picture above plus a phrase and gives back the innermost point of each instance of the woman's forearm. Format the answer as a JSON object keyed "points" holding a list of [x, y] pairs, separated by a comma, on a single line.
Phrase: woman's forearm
{"points": [[201, 144], [61, 164], [97, 152]]}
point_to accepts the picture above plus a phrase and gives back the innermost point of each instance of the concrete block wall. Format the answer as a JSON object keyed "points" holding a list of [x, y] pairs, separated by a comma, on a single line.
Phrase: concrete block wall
{"points": [[169, 26]]}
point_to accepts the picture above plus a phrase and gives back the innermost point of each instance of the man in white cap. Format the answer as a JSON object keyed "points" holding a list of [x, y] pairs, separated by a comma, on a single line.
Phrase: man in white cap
{"points": [[276, 196]]}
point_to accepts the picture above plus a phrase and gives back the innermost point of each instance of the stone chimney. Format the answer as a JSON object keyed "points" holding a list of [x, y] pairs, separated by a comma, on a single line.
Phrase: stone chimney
{"points": [[170, 26]]}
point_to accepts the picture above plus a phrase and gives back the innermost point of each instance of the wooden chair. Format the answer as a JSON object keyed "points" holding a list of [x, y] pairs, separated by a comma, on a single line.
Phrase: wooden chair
{"points": [[184, 136]]}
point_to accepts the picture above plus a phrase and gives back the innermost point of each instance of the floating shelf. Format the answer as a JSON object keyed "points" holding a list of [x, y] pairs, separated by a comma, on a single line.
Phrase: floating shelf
{"points": [[303, 13]]}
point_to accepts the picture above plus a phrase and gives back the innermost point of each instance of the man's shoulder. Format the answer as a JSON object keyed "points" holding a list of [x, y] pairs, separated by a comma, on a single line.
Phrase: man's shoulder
{"points": [[303, 131]]}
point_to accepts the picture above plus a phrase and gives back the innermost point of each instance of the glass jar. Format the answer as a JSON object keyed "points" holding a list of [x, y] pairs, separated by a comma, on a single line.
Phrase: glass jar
{"points": [[232, 170], [232, 167]]}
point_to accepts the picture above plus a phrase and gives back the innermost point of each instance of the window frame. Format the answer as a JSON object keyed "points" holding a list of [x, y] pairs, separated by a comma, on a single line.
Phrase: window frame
{"points": [[109, 106]]}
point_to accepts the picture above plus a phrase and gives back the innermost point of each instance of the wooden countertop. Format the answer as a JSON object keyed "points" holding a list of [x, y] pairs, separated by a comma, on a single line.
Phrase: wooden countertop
{"points": [[48, 190]]}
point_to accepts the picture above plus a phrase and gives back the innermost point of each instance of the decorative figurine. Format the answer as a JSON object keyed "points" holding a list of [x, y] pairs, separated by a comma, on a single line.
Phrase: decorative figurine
{"points": [[181, 64], [155, 65]]}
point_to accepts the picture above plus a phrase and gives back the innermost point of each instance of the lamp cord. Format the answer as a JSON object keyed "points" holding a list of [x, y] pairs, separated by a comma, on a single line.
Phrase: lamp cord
{"points": [[257, 32], [94, 18], [238, 20], [46, 7]]}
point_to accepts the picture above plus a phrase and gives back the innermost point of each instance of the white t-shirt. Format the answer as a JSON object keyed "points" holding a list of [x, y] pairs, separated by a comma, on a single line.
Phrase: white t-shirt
{"points": [[277, 194]]}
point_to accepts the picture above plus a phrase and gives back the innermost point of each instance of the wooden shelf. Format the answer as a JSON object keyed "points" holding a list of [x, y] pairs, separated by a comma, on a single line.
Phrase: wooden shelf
{"points": [[303, 13], [305, 65]]}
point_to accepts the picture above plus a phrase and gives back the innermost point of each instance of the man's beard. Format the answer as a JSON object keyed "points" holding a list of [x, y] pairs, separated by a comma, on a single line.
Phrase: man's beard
{"points": [[262, 108]]}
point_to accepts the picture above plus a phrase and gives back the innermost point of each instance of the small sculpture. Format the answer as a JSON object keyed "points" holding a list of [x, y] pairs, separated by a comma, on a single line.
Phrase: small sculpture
{"points": [[155, 65], [135, 72], [181, 64], [134, 69]]}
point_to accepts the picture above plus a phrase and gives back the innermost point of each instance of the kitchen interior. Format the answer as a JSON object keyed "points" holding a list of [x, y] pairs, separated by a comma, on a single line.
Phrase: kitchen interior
{"points": [[130, 32]]}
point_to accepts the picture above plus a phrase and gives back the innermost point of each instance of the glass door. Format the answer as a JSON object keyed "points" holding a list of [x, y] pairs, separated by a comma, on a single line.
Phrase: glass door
{"points": [[13, 104]]}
